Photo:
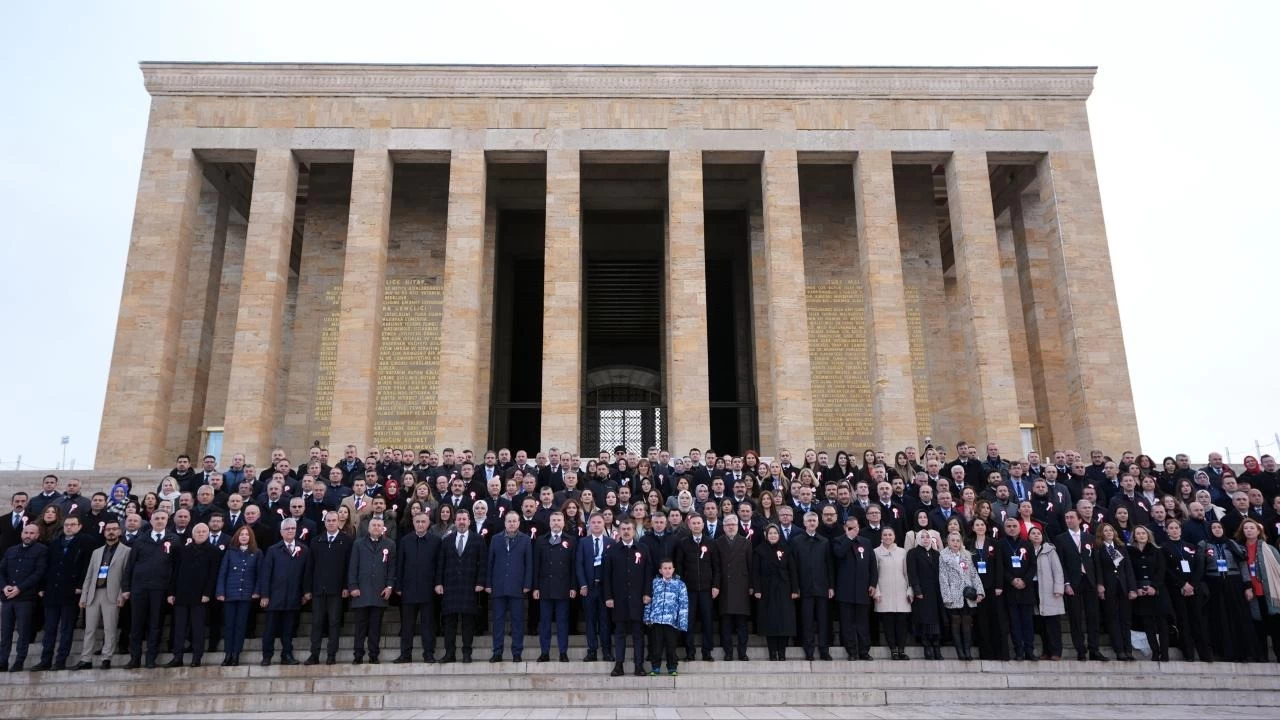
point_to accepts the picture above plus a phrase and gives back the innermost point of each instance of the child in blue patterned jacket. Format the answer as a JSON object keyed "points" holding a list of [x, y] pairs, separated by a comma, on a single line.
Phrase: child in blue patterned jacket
{"points": [[668, 615]]}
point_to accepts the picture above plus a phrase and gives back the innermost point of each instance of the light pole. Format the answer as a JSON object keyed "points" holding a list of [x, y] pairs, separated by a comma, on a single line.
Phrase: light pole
{"points": [[66, 440]]}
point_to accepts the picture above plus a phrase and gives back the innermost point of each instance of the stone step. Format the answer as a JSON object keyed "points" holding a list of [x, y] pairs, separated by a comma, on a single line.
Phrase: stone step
{"points": [[689, 681]]}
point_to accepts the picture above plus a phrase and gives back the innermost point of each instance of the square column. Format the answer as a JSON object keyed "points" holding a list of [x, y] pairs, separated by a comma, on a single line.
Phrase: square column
{"points": [[788, 309], [457, 407], [988, 365], [364, 274], [140, 386], [893, 402], [1097, 367], [255, 360], [687, 395], [562, 304]]}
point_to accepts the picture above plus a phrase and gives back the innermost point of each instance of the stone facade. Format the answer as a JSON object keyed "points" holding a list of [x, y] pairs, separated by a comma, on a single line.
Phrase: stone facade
{"points": [[898, 290]]}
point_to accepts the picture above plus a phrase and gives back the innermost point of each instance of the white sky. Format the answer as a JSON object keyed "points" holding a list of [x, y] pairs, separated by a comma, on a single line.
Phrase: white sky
{"points": [[1184, 119]]}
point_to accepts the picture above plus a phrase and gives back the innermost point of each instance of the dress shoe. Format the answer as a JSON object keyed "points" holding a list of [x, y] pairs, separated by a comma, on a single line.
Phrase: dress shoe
{"points": [[495, 658], [706, 657], [226, 661], [133, 664], [466, 658], [312, 660], [517, 658], [824, 656], [195, 663], [743, 656], [357, 661], [331, 660], [63, 666], [266, 662], [235, 660], [1099, 657], [288, 660], [564, 657], [150, 665], [373, 660], [544, 658], [16, 667], [864, 656], [608, 656], [688, 657], [174, 663], [40, 667], [402, 660], [590, 656], [617, 670], [106, 664], [429, 659], [728, 657], [81, 666], [640, 672], [808, 657], [447, 659]]}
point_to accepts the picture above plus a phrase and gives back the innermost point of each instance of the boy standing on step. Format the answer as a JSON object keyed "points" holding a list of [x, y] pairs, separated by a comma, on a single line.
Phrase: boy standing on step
{"points": [[668, 615]]}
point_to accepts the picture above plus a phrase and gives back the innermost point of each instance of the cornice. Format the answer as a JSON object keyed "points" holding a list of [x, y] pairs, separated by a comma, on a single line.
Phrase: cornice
{"points": [[597, 81]]}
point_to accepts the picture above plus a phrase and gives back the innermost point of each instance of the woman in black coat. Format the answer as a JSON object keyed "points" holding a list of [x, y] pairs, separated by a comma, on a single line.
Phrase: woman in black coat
{"points": [[990, 621], [1226, 612], [926, 609], [1116, 588], [1152, 603], [773, 576], [192, 585]]}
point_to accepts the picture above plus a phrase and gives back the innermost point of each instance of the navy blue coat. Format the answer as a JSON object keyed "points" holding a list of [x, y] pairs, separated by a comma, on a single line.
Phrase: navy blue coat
{"points": [[150, 563], [856, 569], [587, 572], [238, 575], [64, 571], [510, 565], [24, 566], [553, 573], [280, 576]]}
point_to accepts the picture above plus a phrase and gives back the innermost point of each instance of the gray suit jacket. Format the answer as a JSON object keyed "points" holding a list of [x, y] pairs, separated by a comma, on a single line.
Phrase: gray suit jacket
{"points": [[90, 586]]}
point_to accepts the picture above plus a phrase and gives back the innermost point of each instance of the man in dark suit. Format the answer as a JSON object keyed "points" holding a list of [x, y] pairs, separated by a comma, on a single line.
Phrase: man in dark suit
{"points": [[68, 561], [553, 585], [627, 573], [694, 560], [857, 575], [1079, 592], [21, 571], [510, 576], [145, 586], [280, 588], [12, 525], [325, 585], [816, 576], [587, 562], [1018, 564], [48, 495], [461, 575], [416, 557]]}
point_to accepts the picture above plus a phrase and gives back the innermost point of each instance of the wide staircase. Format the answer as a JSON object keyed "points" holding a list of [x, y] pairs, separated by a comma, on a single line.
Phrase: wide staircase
{"points": [[796, 688]]}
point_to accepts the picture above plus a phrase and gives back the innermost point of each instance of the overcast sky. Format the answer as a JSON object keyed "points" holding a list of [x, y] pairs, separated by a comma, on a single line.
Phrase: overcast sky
{"points": [[1184, 119]]}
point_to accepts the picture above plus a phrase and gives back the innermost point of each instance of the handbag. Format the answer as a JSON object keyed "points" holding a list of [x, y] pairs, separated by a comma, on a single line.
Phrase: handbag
{"points": [[970, 593]]}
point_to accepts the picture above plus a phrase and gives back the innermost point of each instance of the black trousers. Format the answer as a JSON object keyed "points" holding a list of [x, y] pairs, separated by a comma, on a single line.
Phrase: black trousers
{"points": [[731, 626], [635, 629], [1082, 617], [701, 611], [855, 628], [894, 625], [189, 622], [420, 614], [326, 622], [1050, 635], [777, 644], [451, 623], [368, 631], [282, 623], [1115, 608], [1267, 627], [213, 617], [1193, 634], [59, 626], [815, 621], [15, 617], [665, 640], [147, 608]]}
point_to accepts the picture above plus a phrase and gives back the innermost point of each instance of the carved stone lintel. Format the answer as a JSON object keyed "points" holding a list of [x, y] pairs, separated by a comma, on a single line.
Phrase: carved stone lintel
{"points": [[615, 81]]}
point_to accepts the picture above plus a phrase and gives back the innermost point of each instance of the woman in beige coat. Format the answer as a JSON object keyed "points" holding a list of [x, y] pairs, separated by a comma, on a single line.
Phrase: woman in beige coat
{"points": [[1049, 586], [893, 593]]}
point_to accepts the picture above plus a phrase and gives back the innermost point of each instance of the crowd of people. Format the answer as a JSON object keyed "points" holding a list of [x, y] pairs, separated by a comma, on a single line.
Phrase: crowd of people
{"points": [[675, 556]]}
